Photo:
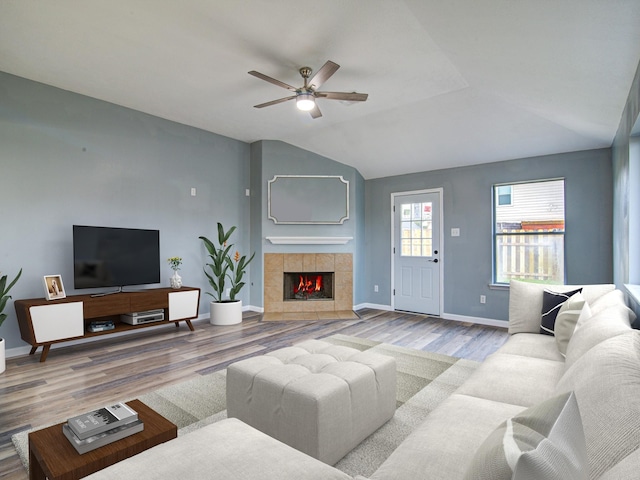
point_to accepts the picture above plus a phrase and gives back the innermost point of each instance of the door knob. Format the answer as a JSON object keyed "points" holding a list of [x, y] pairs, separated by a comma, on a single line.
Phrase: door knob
{"points": [[435, 260]]}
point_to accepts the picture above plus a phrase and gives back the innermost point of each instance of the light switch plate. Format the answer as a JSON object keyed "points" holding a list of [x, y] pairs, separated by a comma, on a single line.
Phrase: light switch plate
{"points": [[455, 232]]}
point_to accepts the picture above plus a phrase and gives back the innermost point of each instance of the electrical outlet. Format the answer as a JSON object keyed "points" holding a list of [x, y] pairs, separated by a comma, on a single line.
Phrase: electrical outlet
{"points": [[375, 288], [483, 299], [193, 191]]}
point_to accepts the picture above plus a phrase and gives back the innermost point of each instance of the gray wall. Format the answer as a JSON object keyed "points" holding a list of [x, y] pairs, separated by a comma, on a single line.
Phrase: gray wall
{"points": [[623, 185], [467, 205], [68, 159]]}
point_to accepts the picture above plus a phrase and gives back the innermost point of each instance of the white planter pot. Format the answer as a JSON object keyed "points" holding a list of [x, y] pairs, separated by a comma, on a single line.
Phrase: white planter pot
{"points": [[3, 364], [226, 313]]}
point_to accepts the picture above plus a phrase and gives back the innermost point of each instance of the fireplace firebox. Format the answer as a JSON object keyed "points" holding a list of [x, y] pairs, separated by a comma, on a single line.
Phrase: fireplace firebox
{"points": [[308, 286]]}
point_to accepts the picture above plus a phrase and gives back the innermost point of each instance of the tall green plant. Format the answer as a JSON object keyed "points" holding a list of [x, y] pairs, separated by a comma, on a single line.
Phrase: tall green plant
{"points": [[223, 266], [4, 297]]}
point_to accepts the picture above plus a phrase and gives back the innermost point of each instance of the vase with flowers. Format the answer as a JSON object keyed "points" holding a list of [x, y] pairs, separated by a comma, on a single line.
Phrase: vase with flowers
{"points": [[176, 279], [4, 298], [224, 266]]}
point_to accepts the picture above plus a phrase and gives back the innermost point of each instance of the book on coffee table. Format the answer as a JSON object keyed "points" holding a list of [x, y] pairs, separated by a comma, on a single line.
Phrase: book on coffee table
{"points": [[101, 439], [101, 420]]}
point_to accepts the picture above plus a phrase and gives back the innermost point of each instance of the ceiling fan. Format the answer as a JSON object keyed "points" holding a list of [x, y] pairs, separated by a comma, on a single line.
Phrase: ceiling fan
{"points": [[306, 95]]}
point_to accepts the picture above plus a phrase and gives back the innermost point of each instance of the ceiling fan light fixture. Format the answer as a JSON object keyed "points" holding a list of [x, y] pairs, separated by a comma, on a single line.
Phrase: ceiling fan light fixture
{"points": [[305, 102]]}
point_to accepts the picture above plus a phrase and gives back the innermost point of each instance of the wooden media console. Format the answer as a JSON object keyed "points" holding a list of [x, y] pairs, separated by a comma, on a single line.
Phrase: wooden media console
{"points": [[43, 323]]}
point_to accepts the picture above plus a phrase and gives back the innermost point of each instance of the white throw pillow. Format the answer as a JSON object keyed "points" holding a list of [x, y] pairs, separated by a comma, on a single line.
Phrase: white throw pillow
{"points": [[545, 441], [567, 320]]}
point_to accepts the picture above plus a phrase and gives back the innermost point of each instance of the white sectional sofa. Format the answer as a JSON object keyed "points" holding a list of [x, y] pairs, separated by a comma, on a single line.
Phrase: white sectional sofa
{"points": [[541, 407]]}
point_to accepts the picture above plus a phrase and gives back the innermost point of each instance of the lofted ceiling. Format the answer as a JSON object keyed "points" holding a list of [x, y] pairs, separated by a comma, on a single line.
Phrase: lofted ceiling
{"points": [[450, 83]]}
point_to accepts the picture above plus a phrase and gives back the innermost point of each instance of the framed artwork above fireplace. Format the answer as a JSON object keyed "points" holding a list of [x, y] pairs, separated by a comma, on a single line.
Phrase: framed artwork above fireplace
{"points": [[308, 199]]}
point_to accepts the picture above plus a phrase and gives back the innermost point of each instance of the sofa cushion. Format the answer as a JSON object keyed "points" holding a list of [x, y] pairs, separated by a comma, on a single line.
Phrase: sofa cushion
{"points": [[225, 450], [567, 319], [514, 379], [615, 320], [606, 381], [525, 302], [532, 345], [441, 447], [545, 441], [552, 302]]}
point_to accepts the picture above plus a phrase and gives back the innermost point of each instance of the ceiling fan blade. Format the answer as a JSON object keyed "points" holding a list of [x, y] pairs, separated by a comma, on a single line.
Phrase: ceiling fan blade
{"points": [[323, 74], [275, 102], [272, 80], [315, 112], [350, 97]]}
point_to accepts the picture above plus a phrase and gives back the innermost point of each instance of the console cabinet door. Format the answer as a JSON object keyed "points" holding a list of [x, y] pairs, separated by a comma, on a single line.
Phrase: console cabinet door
{"points": [[57, 321], [183, 304]]}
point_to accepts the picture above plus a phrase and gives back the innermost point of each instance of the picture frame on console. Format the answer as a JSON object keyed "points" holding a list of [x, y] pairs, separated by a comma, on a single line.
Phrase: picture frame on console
{"points": [[53, 287]]}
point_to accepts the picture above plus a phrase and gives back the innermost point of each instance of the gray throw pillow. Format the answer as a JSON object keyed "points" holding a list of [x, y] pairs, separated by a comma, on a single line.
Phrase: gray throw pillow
{"points": [[567, 319], [551, 304], [545, 441]]}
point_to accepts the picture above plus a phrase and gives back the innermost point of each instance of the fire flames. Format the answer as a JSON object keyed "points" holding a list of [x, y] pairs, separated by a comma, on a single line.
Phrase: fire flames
{"points": [[308, 284]]}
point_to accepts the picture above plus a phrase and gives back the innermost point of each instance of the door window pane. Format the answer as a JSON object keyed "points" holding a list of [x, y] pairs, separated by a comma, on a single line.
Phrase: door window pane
{"points": [[416, 229]]}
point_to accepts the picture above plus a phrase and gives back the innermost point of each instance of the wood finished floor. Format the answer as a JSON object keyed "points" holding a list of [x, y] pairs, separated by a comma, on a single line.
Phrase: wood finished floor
{"points": [[78, 378]]}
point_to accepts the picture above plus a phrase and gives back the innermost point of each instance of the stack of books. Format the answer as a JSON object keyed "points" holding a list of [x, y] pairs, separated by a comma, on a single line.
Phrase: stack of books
{"points": [[100, 427], [101, 326]]}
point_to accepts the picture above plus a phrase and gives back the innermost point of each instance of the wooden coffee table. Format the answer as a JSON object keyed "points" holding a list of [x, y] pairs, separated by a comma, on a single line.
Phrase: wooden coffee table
{"points": [[52, 456]]}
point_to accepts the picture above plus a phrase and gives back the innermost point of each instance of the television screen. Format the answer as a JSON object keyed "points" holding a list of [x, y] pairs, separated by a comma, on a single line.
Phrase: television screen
{"points": [[115, 257]]}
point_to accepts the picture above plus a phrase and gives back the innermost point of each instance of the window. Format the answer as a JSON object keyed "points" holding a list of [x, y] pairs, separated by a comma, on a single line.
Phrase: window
{"points": [[417, 230], [529, 232]]}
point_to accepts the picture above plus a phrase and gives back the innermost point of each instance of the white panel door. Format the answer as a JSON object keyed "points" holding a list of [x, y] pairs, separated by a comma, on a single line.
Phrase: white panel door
{"points": [[416, 252]]}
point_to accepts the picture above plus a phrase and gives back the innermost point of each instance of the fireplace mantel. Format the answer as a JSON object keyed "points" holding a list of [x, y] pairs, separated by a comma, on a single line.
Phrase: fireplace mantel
{"points": [[309, 240]]}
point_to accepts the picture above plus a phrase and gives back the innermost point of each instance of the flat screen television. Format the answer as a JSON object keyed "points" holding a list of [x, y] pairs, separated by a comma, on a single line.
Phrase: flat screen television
{"points": [[115, 257]]}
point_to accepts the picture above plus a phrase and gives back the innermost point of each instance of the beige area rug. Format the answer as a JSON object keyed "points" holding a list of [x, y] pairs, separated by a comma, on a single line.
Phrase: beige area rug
{"points": [[424, 380]]}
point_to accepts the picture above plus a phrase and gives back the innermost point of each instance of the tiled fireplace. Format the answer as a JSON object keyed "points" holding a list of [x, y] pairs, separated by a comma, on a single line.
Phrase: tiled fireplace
{"points": [[308, 286]]}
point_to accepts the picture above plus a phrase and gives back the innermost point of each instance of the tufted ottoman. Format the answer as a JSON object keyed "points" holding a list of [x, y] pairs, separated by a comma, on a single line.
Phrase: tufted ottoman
{"points": [[319, 398]]}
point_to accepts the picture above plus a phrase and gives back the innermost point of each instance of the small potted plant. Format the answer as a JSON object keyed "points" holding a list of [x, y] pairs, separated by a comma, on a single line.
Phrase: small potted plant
{"points": [[224, 267], [175, 280], [4, 297]]}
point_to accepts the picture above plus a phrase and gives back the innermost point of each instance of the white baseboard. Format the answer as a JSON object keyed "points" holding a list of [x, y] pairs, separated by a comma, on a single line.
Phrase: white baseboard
{"points": [[17, 352], [374, 306]]}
